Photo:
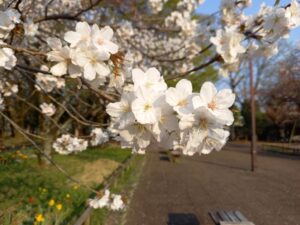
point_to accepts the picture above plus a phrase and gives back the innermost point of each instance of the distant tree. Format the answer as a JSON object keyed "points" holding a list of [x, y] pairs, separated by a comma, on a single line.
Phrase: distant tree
{"points": [[267, 130], [280, 95]]}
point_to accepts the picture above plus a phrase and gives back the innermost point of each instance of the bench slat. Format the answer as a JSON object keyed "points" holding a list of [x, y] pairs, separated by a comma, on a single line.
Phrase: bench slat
{"points": [[233, 217], [236, 223], [223, 215], [240, 216], [215, 217]]}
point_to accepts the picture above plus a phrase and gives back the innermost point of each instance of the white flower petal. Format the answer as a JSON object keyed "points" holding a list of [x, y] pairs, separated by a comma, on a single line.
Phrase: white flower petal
{"points": [[59, 69], [224, 99], [89, 72], [207, 92]]}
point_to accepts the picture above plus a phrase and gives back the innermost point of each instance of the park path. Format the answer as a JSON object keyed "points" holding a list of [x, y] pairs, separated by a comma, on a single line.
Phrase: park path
{"points": [[183, 193]]}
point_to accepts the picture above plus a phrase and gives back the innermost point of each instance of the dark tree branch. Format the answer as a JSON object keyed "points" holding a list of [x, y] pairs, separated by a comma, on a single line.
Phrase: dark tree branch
{"points": [[211, 61]]}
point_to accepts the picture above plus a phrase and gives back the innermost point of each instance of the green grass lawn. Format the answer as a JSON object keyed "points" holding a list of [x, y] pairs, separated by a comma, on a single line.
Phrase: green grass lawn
{"points": [[26, 189], [281, 149]]}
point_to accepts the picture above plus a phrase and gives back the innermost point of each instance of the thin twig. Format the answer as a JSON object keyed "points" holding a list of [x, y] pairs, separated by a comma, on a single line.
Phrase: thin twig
{"points": [[98, 92], [211, 61], [19, 49]]}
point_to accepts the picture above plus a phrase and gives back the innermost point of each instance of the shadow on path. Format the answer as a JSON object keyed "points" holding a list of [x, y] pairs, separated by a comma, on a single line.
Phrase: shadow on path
{"points": [[182, 219], [183, 193], [245, 149], [224, 165]]}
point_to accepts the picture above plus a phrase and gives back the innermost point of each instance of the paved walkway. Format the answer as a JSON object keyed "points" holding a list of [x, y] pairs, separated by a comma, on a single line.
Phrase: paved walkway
{"points": [[182, 193]]}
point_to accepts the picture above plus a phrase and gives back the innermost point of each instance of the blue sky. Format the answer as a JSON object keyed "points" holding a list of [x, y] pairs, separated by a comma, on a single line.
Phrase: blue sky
{"points": [[211, 6]]}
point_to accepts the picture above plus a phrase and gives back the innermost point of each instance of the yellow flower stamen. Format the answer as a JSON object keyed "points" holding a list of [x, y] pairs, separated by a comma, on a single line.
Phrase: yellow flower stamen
{"points": [[203, 124], [212, 105], [147, 107]]}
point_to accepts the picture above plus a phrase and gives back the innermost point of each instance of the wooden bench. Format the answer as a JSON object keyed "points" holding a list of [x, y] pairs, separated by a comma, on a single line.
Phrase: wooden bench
{"points": [[222, 217]]}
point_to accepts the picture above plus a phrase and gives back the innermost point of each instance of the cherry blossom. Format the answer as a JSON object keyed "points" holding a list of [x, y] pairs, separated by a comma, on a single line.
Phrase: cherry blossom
{"points": [[98, 137], [1, 102], [144, 107], [293, 14], [228, 44], [111, 201], [101, 39], [136, 136], [216, 102], [82, 35], [63, 57], [100, 202], [276, 24], [121, 112], [7, 57], [91, 62], [66, 144], [180, 96], [48, 109], [151, 79], [47, 83], [117, 203], [7, 89], [30, 28], [8, 20], [156, 5]]}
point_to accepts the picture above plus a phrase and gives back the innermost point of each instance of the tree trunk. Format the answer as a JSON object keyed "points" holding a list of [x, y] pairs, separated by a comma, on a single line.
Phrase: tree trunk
{"points": [[43, 158], [1, 138], [293, 132]]}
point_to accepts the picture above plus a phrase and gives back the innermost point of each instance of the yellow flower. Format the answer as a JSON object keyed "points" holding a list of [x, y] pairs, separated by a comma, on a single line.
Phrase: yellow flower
{"points": [[45, 190], [59, 207], [75, 187], [51, 202], [68, 195], [39, 218], [23, 156]]}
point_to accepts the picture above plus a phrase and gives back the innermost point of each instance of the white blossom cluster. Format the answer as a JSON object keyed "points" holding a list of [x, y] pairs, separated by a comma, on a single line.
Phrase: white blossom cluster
{"points": [[153, 115], [90, 50], [268, 26], [125, 30], [182, 17], [46, 82], [8, 21], [98, 137], [7, 57], [71, 3], [156, 5], [66, 145], [48, 109], [7, 89], [1, 102], [204, 117], [151, 50], [179, 40], [30, 28], [111, 201], [87, 55]]}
